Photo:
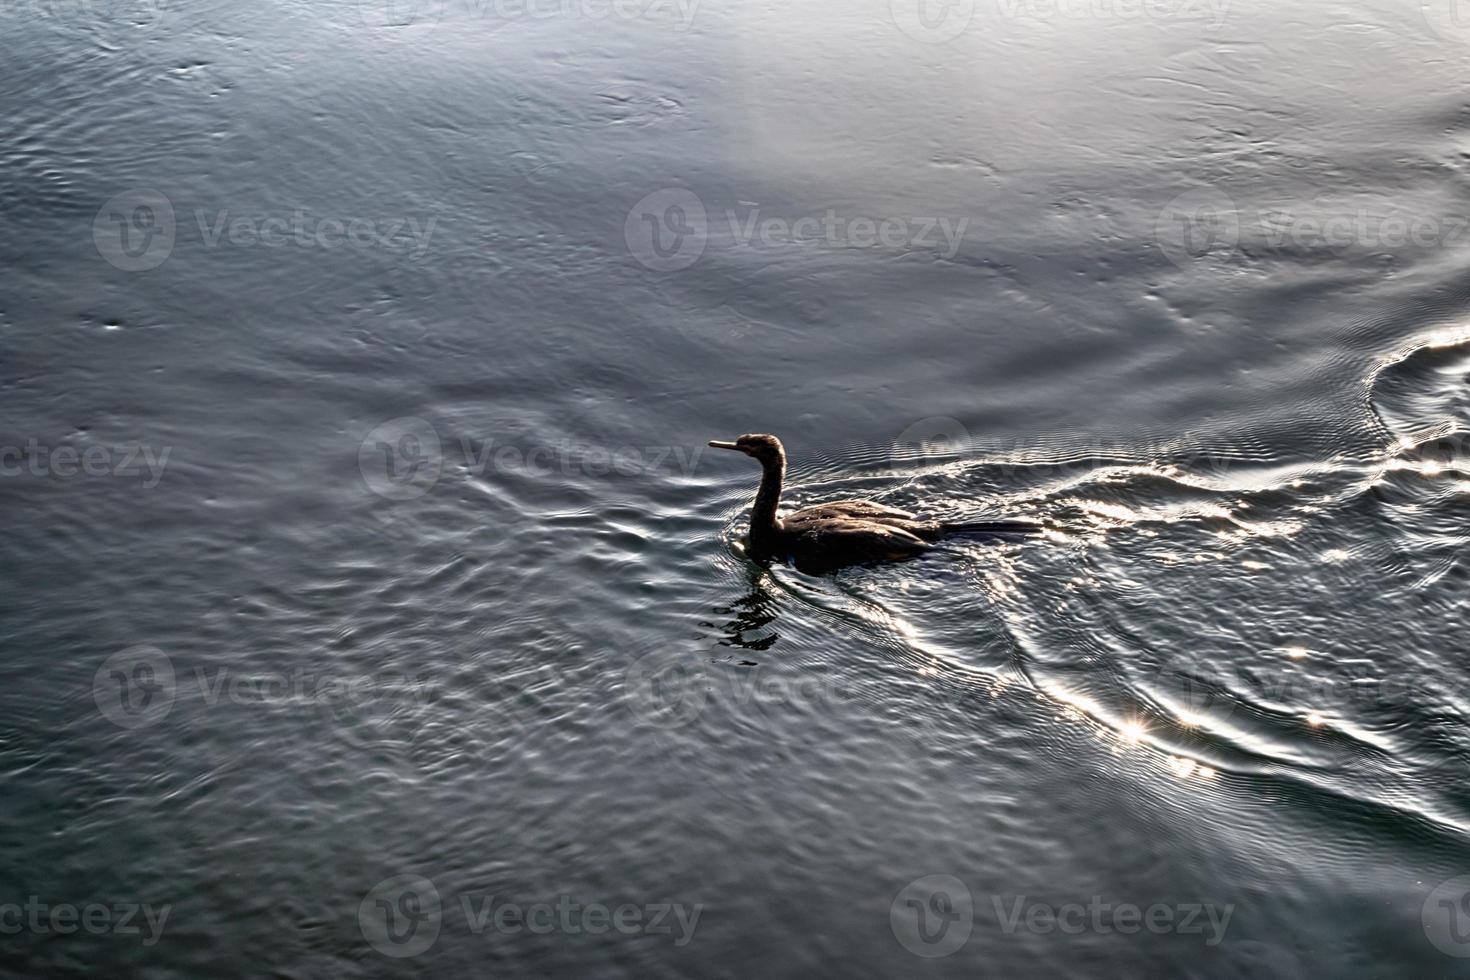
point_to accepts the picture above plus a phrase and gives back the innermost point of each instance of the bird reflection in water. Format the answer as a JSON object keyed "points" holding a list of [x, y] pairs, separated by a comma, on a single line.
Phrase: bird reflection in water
{"points": [[753, 615]]}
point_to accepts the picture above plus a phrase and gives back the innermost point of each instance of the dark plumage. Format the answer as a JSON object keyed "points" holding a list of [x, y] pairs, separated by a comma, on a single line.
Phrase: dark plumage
{"points": [[845, 532]]}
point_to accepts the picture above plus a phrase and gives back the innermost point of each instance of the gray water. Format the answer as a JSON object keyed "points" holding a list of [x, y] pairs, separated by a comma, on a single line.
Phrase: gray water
{"points": [[372, 608]]}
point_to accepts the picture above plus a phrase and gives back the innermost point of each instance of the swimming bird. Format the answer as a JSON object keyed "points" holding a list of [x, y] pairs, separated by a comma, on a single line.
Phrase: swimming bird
{"points": [[828, 536]]}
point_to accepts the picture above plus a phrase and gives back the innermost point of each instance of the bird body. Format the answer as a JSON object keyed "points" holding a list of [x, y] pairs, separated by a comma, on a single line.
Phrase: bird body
{"points": [[828, 536]]}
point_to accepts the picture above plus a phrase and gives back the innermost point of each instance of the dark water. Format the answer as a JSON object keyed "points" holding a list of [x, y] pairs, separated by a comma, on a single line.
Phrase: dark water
{"points": [[371, 608]]}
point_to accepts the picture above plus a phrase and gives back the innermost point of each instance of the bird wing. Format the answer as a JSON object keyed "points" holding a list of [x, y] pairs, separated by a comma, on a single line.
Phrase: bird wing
{"points": [[847, 508], [851, 539]]}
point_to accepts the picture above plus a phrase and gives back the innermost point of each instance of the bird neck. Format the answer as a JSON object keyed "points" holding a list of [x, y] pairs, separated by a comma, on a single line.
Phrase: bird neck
{"points": [[763, 522]]}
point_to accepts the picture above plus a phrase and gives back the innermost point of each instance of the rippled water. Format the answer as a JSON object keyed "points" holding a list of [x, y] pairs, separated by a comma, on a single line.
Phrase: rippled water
{"points": [[373, 608]]}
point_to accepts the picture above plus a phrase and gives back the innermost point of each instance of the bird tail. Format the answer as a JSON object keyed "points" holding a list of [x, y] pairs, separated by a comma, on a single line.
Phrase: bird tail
{"points": [[994, 529]]}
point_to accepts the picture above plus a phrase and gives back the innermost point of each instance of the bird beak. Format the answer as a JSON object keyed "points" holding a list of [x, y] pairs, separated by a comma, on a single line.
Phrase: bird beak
{"points": [[724, 445]]}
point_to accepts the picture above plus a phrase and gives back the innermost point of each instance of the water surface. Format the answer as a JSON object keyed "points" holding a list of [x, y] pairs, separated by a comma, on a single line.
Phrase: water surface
{"points": [[363, 559]]}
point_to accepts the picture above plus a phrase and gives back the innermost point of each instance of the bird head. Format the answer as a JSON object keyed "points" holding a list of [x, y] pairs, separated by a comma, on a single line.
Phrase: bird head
{"points": [[765, 448]]}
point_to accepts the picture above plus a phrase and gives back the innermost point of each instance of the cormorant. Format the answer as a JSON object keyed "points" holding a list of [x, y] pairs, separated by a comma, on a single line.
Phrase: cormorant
{"points": [[824, 537]]}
